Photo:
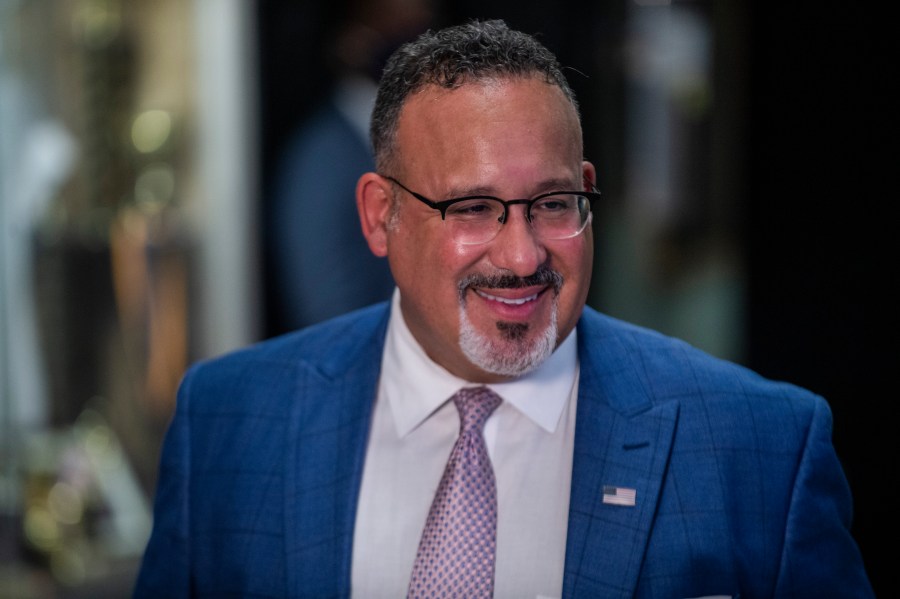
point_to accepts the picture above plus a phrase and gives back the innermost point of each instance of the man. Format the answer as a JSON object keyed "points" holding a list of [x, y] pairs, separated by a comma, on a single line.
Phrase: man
{"points": [[593, 459]]}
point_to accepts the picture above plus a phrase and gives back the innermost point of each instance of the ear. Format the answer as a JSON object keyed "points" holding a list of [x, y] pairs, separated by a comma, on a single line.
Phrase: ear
{"points": [[373, 201], [590, 175]]}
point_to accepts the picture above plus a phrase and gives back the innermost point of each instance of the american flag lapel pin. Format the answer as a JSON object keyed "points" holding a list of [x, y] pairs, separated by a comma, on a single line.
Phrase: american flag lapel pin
{"points": [[618, 496]]}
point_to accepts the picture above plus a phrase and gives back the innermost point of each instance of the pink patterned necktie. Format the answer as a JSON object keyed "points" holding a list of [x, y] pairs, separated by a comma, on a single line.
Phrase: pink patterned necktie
{"points": [[456, 553]]}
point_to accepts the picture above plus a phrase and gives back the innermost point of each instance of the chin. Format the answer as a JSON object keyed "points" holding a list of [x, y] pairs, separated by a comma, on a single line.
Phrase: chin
{"points": [[513, 349]]}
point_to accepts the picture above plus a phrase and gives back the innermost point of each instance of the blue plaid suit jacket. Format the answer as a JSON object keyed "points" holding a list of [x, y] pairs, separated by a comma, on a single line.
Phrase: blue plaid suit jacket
{"points": [[738, 489]]}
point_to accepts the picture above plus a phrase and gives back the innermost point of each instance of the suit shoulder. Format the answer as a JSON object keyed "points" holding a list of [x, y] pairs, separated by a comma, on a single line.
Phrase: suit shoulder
{"points": [[317, 342], [326, 348], [669, 368]]}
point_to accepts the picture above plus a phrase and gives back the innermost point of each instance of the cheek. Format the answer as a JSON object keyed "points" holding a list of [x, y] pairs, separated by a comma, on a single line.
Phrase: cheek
{"points": [[575, 257], [576, 265], [453, 261], [431, 266]]}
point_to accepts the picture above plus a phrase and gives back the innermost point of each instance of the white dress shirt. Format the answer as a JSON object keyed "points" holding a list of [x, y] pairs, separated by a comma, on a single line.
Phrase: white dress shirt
{"points": [[414, 426]]}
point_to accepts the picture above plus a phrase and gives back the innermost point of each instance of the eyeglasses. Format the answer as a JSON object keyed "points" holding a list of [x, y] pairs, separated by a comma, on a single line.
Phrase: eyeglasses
{"points": [[477, 219]]}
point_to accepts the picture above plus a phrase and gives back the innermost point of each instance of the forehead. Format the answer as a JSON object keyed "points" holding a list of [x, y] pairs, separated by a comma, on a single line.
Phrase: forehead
{"points": [[490, 98], [508, 122]]}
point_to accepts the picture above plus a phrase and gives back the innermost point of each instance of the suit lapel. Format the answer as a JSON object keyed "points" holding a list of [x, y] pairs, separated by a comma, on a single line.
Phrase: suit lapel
{"points": [[328, 429], [622, 441]]}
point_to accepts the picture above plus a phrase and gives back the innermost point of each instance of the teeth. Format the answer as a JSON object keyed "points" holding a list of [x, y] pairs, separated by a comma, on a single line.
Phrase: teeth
{"points": [[503, 300]]}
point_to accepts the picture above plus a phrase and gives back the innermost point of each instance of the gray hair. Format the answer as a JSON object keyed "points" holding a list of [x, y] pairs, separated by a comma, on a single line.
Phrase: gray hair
{"points": [[449, 58]]}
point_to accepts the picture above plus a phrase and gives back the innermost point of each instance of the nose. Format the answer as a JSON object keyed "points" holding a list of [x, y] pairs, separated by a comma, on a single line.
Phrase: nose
{"points": [[516, 247]]}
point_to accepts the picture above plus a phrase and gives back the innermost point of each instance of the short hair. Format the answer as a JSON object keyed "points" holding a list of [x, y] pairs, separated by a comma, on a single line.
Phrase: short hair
{"points": [[449, 58]]}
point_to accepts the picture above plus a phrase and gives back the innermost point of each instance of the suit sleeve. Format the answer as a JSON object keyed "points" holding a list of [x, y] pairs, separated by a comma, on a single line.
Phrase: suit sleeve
{"points": [[820, 558], [165, 569]]}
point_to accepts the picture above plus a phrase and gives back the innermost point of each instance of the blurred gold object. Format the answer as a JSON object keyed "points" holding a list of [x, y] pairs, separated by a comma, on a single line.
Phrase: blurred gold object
{"points": [[82, 509], [151, 130], [41, 529]]}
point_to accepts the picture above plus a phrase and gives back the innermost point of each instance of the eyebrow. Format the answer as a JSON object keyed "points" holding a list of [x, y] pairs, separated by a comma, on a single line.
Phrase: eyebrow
{"points": [[543, 187]]}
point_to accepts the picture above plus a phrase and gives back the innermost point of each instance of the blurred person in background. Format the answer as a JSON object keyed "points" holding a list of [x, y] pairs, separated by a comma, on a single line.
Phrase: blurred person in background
{"points": [[587, 457], [321, 264]]}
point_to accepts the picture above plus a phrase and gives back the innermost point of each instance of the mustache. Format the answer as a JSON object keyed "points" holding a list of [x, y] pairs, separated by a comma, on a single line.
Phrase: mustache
{"points": [[543, 276]]}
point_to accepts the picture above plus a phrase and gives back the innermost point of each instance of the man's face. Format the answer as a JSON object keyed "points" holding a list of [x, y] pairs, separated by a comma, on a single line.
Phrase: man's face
{"points": [[488, 312]]}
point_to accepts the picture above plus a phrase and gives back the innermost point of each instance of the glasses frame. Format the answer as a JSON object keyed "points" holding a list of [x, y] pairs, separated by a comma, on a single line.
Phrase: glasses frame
{"points": [[444, 205]]}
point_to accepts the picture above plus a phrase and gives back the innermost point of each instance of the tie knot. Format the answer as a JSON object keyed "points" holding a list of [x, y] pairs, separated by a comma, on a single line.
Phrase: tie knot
{"points": [[475, 406]]}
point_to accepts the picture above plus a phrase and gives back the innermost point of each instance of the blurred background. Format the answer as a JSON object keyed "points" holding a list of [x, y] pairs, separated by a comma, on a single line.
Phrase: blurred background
{"points": [[155, 156]]}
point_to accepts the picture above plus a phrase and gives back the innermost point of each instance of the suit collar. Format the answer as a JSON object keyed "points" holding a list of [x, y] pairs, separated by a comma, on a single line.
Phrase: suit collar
{"points": [[415, 386]]}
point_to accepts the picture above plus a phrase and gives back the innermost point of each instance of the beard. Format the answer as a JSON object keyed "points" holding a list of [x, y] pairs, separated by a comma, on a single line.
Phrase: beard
{"points": [[513, 352]]}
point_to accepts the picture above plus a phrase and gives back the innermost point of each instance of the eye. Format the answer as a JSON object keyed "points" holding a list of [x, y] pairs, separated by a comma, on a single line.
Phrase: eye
{"points": [[475, 209], [554, 205]]}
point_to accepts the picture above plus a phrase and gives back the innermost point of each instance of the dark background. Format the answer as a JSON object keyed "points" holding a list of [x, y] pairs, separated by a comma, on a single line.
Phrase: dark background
{"points": [[812, 125], [820, 242]]}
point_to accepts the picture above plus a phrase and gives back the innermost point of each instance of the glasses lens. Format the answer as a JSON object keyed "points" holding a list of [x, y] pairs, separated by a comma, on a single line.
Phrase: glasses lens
{"points": [[560, 216], [475, 220]]}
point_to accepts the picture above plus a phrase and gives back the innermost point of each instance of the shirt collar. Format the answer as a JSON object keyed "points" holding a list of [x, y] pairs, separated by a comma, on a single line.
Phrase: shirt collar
{"points": [[415, 386]]}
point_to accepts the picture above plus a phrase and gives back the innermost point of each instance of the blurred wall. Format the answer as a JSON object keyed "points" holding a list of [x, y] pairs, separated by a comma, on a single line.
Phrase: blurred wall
{"points": [[127, 200]]}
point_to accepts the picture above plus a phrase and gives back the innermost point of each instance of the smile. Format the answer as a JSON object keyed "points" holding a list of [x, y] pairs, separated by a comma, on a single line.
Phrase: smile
{"points": [[508, 301]]}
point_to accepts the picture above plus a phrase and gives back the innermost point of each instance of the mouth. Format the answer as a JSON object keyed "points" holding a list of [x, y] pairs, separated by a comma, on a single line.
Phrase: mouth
{"points": [[508, 298], [517, 305], [509, 301], [509, 289]]}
